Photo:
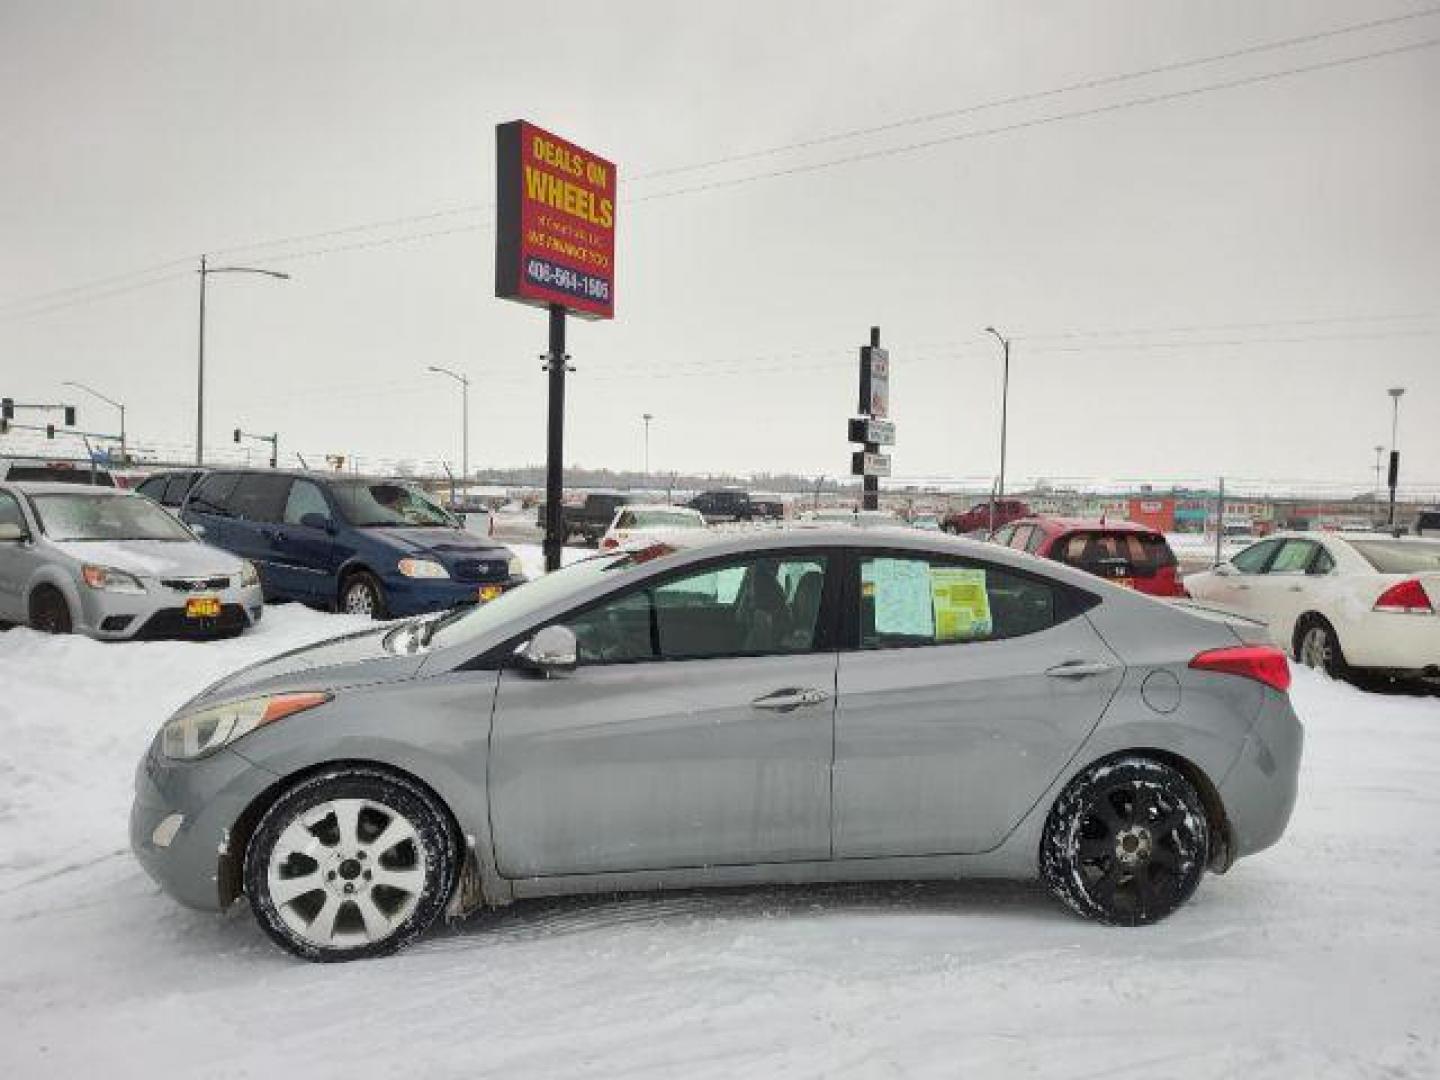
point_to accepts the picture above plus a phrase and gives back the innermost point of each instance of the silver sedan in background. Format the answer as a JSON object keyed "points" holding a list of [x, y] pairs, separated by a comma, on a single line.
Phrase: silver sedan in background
{"points": [[109, 564], [815, 705]]}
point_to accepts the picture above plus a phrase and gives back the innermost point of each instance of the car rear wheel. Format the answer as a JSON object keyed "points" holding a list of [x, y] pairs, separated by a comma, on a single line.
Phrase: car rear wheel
{"points": [[49, 613], [350, 864], [362, 595], [1317, 646], [1126, 843]]}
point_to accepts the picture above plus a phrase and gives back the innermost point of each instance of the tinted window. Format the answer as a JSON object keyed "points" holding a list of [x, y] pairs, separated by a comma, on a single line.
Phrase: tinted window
{"points": [[1400, 556], [1324, 562], [909, 600], [1293, 557], [51, 474], [1253, 559], [754, 606], [176, 487], [260, 496], [305, 498], [153, 488], [212, 494], [1098, 552]]}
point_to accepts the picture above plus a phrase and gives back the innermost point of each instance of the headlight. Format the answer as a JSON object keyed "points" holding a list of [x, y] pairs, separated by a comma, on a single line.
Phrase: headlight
{"points": [[249, 576], [423, 568], [515, 567], [194, 735], [103, 577]]}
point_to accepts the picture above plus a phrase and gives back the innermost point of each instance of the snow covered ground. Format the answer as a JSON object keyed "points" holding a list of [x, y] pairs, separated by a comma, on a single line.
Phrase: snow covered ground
{"points": [[1319, 958]]}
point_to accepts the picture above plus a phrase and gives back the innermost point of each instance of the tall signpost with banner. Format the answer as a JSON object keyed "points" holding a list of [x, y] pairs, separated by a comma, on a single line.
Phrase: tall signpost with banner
{"points": [[874, 428], [554, 249]]}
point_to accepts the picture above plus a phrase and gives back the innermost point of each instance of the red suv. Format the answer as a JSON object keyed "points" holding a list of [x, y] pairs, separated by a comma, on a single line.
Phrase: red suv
{"points": [[1121, 552], [977, 518]]}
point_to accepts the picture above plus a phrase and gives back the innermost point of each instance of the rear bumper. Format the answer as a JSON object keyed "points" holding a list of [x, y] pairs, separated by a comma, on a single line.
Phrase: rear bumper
{"points": [[1260, 789], [1392, 641], [417, 596]]}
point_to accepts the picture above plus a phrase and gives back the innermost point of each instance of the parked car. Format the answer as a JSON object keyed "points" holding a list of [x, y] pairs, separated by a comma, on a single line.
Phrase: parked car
{"points": [[777, 706], [641, 522], [860, 519], [55, 472], [365, 546], [592, 517], [112, 564], [1122, 552], [1427, 523], [927, 522], [169, 487], [978, 518], [767, 509], [1351, 604], [724, 505]]}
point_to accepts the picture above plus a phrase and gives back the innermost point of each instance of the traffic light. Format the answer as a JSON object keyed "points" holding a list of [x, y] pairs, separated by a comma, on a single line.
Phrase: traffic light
{"points": [[69, 415], [49, 431], [7, 408], [237, 434], [4, 426]]}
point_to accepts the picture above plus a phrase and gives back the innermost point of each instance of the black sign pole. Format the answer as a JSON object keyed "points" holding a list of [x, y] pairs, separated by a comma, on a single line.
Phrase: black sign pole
{"points": [[556, 363], [872, 483]]}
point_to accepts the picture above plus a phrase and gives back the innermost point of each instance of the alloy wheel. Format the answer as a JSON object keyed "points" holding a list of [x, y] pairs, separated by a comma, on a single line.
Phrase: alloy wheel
{"points": [[1137, 846], [1315, 648], [359, 598]]}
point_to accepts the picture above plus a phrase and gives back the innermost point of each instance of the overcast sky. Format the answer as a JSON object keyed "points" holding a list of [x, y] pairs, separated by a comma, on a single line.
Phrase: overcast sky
{"points": [[1294, 221]]}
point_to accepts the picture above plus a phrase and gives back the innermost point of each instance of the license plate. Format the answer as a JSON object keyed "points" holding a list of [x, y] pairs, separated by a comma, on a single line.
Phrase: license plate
{"points": [[202, 607], [488, 593], [1124, 582]]}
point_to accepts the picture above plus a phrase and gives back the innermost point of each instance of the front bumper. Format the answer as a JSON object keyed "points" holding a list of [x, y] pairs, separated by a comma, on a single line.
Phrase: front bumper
{"points": [[417, 596], [1259, 791], [208, 796], [160, 612]]}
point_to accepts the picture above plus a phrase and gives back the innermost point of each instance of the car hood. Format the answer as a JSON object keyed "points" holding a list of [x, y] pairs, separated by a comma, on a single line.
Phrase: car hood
{"points": [[440, 543], [153, 558], [352, 660]]}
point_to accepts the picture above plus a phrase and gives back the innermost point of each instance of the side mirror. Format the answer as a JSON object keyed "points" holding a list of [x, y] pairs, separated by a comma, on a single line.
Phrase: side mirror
{"points": [[12, 533], [1224, 569], [552, 650], [316, 521]]}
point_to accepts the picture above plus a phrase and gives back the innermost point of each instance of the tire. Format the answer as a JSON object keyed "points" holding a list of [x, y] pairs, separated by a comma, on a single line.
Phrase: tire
{"points": [[1318, 646], [368, 824], [49, 612], [1126, 843], [362, 594]]}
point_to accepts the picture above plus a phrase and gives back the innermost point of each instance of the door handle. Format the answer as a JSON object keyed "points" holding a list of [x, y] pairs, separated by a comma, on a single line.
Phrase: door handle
{"points": [[789, 699], [1077, 669]]}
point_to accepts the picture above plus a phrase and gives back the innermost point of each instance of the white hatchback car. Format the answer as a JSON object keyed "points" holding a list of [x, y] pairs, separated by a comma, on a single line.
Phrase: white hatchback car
{"points": [[641, 523], [1348, 603]]}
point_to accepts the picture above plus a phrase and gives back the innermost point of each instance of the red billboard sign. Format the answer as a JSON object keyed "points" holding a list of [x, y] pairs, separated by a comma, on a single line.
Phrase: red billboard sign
{"points": [[555, 224]]}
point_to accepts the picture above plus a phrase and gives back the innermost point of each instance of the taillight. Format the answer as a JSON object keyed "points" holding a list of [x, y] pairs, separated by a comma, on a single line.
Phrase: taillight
{"points": [[1405, 598], [608, 543], [1263, 663]]}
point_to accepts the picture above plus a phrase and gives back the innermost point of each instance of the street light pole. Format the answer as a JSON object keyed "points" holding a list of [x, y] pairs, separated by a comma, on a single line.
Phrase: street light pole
{"points": [[1004, 415], [1379, 468], [205, 271], [1396, 392], [647, 417], [124, 455], [464, 422]]}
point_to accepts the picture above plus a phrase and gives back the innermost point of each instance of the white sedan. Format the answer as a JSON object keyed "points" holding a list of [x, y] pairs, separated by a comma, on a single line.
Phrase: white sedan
{"points": [[1345, 603], [638, 523]]}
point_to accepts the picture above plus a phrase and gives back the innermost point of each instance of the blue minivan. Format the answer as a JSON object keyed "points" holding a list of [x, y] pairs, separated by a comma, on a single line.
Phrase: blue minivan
{"points": [[360, 545]]}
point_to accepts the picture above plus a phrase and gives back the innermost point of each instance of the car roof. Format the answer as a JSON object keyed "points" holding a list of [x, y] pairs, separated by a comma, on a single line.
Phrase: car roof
{"points": [[1074, 524], [663, 506], [56, 487]]}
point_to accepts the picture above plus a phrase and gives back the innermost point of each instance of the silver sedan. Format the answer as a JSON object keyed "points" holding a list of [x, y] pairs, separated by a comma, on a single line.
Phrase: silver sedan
{"points": [[114, 565], [826, 705]]}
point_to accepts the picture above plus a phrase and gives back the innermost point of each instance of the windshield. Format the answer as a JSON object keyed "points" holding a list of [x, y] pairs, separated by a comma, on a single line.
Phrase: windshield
{"points": [[667, 519], [367, 503], [515, 605], [105, 517], [1400, 556]]}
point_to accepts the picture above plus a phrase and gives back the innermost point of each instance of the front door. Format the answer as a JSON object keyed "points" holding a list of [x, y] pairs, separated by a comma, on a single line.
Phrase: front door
{"points": [[696, 731], [17, 561], [971, 688], [302, 545]]}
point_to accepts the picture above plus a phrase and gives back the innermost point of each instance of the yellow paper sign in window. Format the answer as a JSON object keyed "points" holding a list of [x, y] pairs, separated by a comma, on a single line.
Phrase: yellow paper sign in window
{"points": [[962, 606]]}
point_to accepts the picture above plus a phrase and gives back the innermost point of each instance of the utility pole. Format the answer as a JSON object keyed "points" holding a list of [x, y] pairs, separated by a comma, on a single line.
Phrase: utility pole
{"points": [[1004, 417], [124, 455], [464, 428], [1379, 468], [647, 417], [1396, 393], [1219, 520]]}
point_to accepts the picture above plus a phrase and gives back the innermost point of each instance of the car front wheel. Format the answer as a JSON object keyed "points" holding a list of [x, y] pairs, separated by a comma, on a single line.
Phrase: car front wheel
{"points": [[362, 595], [350, 864], [1126, 843], [49, 613]]}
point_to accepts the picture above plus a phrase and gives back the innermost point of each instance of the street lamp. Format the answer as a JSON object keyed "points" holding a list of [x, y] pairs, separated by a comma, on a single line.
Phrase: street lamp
{"points": [[647, 417], [205, 271], [1004, 410], [464, 422], [1379, 450], [1396, 393], [124, 457]]}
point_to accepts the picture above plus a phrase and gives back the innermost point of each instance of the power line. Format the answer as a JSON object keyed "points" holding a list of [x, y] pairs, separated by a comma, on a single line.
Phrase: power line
{"points": [[1213, 327], [34, 298], [46, 309]]}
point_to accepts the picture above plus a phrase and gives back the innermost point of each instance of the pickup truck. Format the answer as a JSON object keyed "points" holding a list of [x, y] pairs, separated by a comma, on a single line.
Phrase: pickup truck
{"points": [[591, 518], [724, 505]]}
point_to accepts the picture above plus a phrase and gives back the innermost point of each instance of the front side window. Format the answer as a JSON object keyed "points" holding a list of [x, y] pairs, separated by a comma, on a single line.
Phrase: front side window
{"points": [[305, 498], [914, 600], [105, 517], [154, 488], [1021, 537], [1253, 559], [175, 489], [10, 512], [212, 494], [759, 605]]}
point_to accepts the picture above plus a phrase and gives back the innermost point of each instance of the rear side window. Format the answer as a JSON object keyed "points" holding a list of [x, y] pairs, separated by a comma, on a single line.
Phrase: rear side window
{"points": [[1021, 537], [1037, 539], [1002, 536], [213, 493], [912, 600], [260, 497], [1293, 557]]}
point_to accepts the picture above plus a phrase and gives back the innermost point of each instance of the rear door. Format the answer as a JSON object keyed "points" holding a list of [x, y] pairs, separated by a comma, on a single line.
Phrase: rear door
{"points": [[971, 687]]}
